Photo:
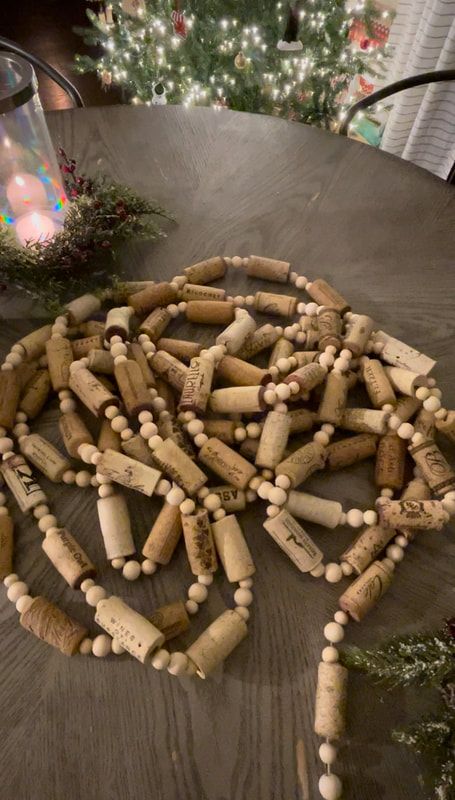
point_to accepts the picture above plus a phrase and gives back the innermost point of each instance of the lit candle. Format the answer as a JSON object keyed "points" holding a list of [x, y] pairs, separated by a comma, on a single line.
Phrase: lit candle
{"points": [[34, 227], [25, 192]]}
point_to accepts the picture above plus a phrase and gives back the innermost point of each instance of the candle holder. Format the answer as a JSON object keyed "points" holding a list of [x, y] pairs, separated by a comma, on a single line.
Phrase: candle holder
{"points": [[32, 197]]}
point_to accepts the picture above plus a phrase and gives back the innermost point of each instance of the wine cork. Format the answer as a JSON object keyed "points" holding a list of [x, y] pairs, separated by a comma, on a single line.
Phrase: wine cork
{"points": [[294, 540], [25, 372], [45, 457], [210, 312], [166, 392], [300, 420], [93, 327], [401, 355], [6, 546], [223, 429], [329, 327], [137, 448], [121, 292], [421, 514], [232, 499], [171, 620], [136, 634], [280, 305], [134, 392], [365, 420], [22, 483], [81, 308], [100, 361], [199, 543], [9, 398], [331, 697], [158, 294], [273, 441], [74, 432], [358, 335], [238, 400], [333, 402], [363, 594], [170, 369], [283, 348], [314, 509], [82, 347], [308, 323], [115, 526], [192, 291], [59, 359], [237, 332], [416, 489], [68, 557], [377, 384], [179, 348], [405, 381], [198, 385], [307, 377], [225, 462], [53, 626], [406, 407], [217, 642], [156, 323], [175, 463], [170, 428], [435, 469], [445, 426], [303, 462], [206, 271], [390, 462], [107, 438], [268, 269], [311, 341], [35, 342], [136, 353], [350, 451], [426, 424], [237, 372], [164, 535], [367, 546], [305, 357], [117, 323], [91, 392], [260, 340], [325, 295], [232, 549], [128, 472]]}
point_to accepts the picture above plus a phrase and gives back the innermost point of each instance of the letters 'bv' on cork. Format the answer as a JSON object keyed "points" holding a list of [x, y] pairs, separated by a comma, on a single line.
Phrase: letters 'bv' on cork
{"points": [[301, 420], [331, 695], [435, 469], [179, 348], [329, 327], [68, 557], [59, 359], [9, 397], [35, 342], [128, 472], [164, 536], [367, 546], [365, 420], [349, 451], [283, 348], [307, 377], [6, 546], [237, 372], [35, 394], [74, 432], [107, 438], [377, 384], [226, 463], [136, 353], [425, 515], [81, 308], [179, 466], [238, 400], [273, 441], [171, 620], [192, 291], [82, 347], [199, 543], [22, 483], [445, 426], [358, 335], [232, 499], [416, 489], [260, 340], [91, 392], [314, 509], [279, 305], [45, 457], [115, 526], [237, 332], [232, 549], [133, 390], [333, 402], [390, 462], [210, 312], [197, 386], [137, 448], [170, 369], [325, 295], [268, 269], [214, 645], [294, 540], [100, 361], [303, 462], [158, 294], [363, 594], [206, 271], [156, 323], [53, 626], [426, 423], [223, 429], [130, 629]]}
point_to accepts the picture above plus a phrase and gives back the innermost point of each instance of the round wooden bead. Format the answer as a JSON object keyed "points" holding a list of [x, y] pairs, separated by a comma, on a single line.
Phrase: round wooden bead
{"points": [[148, 567], [370, 517], [198, 592], [432, 404], [87, 584], [330, 787], [85, 647], [178, 664], [131, 570], [46, 522], [191, 606], [206, 580], [277, 496], [354, 517], [283, 481], [212, 502], [176, 496], [23, 603], [334, 632], [117, 648], [163, 487], [188, 506], [94, 595], [243, 612], [333, 573], [243, 597], [341, 617], [161, 659], [17, 590], [406, 430], [395, 553], [10, 579], [101, 645], [118, 563], [327, 753]]}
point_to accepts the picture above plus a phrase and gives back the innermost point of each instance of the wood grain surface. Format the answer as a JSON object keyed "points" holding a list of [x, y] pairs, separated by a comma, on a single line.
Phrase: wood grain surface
{"points": [[382, 231]]}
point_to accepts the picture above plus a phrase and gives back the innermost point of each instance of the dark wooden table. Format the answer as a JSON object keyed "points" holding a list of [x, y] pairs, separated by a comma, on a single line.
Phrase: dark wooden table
{"points": [[382, 231]]}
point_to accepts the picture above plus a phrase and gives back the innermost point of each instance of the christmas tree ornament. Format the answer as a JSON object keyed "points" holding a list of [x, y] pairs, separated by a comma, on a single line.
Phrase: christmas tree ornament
{"points": [[159, 95], [135, 8], [240, 61], [179, 24], [106, 78], [290, 40]]}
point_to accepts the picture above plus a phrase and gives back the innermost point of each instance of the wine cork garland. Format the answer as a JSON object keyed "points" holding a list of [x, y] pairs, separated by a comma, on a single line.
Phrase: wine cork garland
{"points": [[153, 395]]}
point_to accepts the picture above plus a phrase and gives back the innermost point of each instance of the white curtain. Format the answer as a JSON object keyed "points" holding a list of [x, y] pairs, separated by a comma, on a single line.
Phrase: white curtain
{"points": [[421, 125]]}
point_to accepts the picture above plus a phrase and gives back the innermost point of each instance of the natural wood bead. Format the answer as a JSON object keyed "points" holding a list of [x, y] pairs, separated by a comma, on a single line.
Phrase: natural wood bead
{"points": [[367, 546], [59, 358], [91, 392], [176, 463], [68, 557], [92, 327], [234, 336], [156, 323], [138, 449], [128, 472], [329, 328], [192, 291], [358, 335], [232, 549], [197, 386], [232, 499], [405, 381], [331, 696], [214, 645], [115, 526], [107, 438], [82, 347], [314, 509], [238, 400], [74, 432], [268, 269], [6, 546], [171, 620], [157, 294], [100, 361], [134, 392], [260, 340], [223, 429], [45, 457], [390, 462], [377, 384], [401, 355], [303, 462], [199, 543], [170, 369], [237, 372], [35, 394], [294, 540], [413, 514], [164, 536], [301, 420], [349, 451], [81, 308], [22, 483], [325, 295], [226, 463], [333, 402], [435, 468], [206, 271], [179, 348], [53, 626], [365, 420], [9, 398], [307, 377], [210, 312], [273, 441], [280, 305], [136, 634], [136, 353]]}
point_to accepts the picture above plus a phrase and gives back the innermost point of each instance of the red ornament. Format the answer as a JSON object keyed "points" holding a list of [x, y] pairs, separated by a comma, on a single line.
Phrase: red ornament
{"points": [[178, 21], [366, 87], [364, 44]]}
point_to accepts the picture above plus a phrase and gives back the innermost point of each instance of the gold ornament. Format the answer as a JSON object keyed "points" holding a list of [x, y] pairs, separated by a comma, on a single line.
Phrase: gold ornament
{"points": [[240, 61], [106, 77]]}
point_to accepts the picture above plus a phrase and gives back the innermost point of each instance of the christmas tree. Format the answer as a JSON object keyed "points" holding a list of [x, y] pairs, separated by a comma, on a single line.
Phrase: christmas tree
{"points": [[294, 61]]}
